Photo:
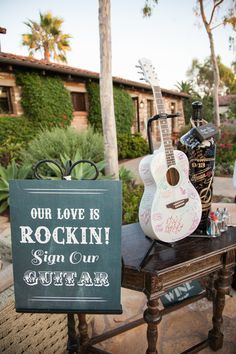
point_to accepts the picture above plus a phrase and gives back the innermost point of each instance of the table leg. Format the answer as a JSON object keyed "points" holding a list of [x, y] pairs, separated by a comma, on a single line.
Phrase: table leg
{"points": [[210, 286], [83, 330], [222, 286], [72, 343], [152, 316]]}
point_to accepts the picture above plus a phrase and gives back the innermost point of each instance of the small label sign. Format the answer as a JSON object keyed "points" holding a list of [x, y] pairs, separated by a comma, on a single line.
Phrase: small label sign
{"points": [[66, 238]]}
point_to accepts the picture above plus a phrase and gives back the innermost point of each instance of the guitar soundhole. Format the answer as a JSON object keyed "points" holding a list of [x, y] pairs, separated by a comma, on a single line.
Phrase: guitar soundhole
{"points": [[172, 176]]}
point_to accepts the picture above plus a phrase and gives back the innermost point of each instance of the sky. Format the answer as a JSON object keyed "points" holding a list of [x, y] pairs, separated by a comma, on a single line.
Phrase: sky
{"points": [[171, 38]]}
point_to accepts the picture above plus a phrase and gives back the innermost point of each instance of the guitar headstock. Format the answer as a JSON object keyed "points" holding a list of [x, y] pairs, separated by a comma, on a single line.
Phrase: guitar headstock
{"points": [[148, 72]]}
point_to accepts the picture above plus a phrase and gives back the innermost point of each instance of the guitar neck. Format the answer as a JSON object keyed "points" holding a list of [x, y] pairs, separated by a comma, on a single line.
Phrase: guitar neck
{"points": [[165, 133]]}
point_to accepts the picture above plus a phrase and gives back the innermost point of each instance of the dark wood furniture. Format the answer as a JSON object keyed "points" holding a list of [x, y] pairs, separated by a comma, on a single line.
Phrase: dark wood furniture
{"points": [[167, 267]]}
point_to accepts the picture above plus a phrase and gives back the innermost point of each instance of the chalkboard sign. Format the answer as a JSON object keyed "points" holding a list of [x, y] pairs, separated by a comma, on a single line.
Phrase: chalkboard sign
{"points": [[66, 245], [206, 131]]}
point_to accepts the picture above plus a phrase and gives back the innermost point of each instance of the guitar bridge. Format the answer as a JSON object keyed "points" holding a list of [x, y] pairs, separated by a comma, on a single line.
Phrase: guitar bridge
{"points": [[178, 204]]}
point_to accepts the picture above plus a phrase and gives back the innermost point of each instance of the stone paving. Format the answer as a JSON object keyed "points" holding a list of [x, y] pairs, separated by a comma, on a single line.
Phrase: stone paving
{"points": [[222, 186]]}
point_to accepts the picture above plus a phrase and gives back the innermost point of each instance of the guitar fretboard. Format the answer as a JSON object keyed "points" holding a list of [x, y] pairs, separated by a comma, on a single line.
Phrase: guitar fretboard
{"points": [[165, 133]]}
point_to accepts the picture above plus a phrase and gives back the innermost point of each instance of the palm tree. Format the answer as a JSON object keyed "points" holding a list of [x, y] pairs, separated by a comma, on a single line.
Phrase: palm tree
{"points": [[47, 36], [185, 86]]}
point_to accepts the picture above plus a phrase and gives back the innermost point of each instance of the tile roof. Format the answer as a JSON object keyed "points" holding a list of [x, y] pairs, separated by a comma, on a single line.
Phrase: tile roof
{"points": [[19, 60], [226, 100]]}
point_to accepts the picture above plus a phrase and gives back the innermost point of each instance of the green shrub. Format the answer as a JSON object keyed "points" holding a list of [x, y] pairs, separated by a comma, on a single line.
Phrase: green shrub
{"points": [[132, 194], [52, 144], [131, 146], [45, 100], [12, 171], [95, 114], [226, 151], [124, 110], [123, 106], [15, 134], [49, 170]]}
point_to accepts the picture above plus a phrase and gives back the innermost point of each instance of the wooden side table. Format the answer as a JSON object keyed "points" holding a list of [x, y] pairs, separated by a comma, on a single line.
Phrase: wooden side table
{"points": [[167, 267]]}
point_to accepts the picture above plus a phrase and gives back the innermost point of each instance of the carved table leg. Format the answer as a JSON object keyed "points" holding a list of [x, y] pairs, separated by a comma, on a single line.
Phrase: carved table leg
{"points": [[72, 344], [152, 316], [210, 286], [222, 285], [83, 330]]}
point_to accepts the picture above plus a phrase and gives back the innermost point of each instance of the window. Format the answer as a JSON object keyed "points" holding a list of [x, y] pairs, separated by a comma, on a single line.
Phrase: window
{"points": [[149, 108], [79, 101], [5, 100], [172, 107], [136, 121], [174, 121]]}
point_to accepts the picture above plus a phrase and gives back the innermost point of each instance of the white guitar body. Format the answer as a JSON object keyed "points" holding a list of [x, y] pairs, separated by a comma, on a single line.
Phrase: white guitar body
{"points": [[168, 212], [170, 208]]}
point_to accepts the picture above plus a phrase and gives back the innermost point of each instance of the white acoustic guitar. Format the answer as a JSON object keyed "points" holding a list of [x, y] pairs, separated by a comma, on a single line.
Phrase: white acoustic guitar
{"points": [[170, 207]]}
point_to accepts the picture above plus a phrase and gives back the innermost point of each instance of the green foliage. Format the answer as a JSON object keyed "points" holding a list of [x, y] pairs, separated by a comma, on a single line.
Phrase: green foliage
{"points": [[132, 194], [47, 36], [226, 151], [184, 86], [232, 110], [45, 100], [15, 133], [207, 107], [149, 5], [123, 106], [57, 142], [201, 74], [95, 115], [79, 172], [12, 171], [131, 145], [124, 110], [125, 175]]}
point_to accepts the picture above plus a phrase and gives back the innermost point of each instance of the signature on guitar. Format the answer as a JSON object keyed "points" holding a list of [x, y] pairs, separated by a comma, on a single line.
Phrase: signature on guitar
{"points": [[174, 224], [170, 208]]}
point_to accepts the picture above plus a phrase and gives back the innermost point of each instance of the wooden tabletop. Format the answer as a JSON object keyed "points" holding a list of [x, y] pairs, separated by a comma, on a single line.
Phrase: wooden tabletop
{"points": [[135, 245]]}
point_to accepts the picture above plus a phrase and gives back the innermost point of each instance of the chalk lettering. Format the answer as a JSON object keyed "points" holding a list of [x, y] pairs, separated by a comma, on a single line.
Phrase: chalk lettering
{"points": [[41, 213], [70, 213], [67, 278], [41, 256], [77, 257], [65, 235], [94, 214]]}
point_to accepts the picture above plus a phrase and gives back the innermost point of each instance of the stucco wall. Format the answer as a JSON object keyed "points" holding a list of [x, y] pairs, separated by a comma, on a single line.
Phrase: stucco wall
{"points": [[80, 120]]}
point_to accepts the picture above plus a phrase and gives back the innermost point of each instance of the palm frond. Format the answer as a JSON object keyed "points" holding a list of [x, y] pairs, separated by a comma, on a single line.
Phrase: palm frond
{"points": [[47, 34]]}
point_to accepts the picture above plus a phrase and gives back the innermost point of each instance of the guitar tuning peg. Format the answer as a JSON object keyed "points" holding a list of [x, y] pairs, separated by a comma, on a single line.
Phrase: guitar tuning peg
{"points": [[138, 66], [140, 72], [142, 79]]}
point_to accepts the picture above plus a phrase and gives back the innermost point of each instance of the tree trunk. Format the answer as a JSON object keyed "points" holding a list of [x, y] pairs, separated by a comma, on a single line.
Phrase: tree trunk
{"points": [[216, 75], [216, 80], [106, 91], [46, 53]]}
